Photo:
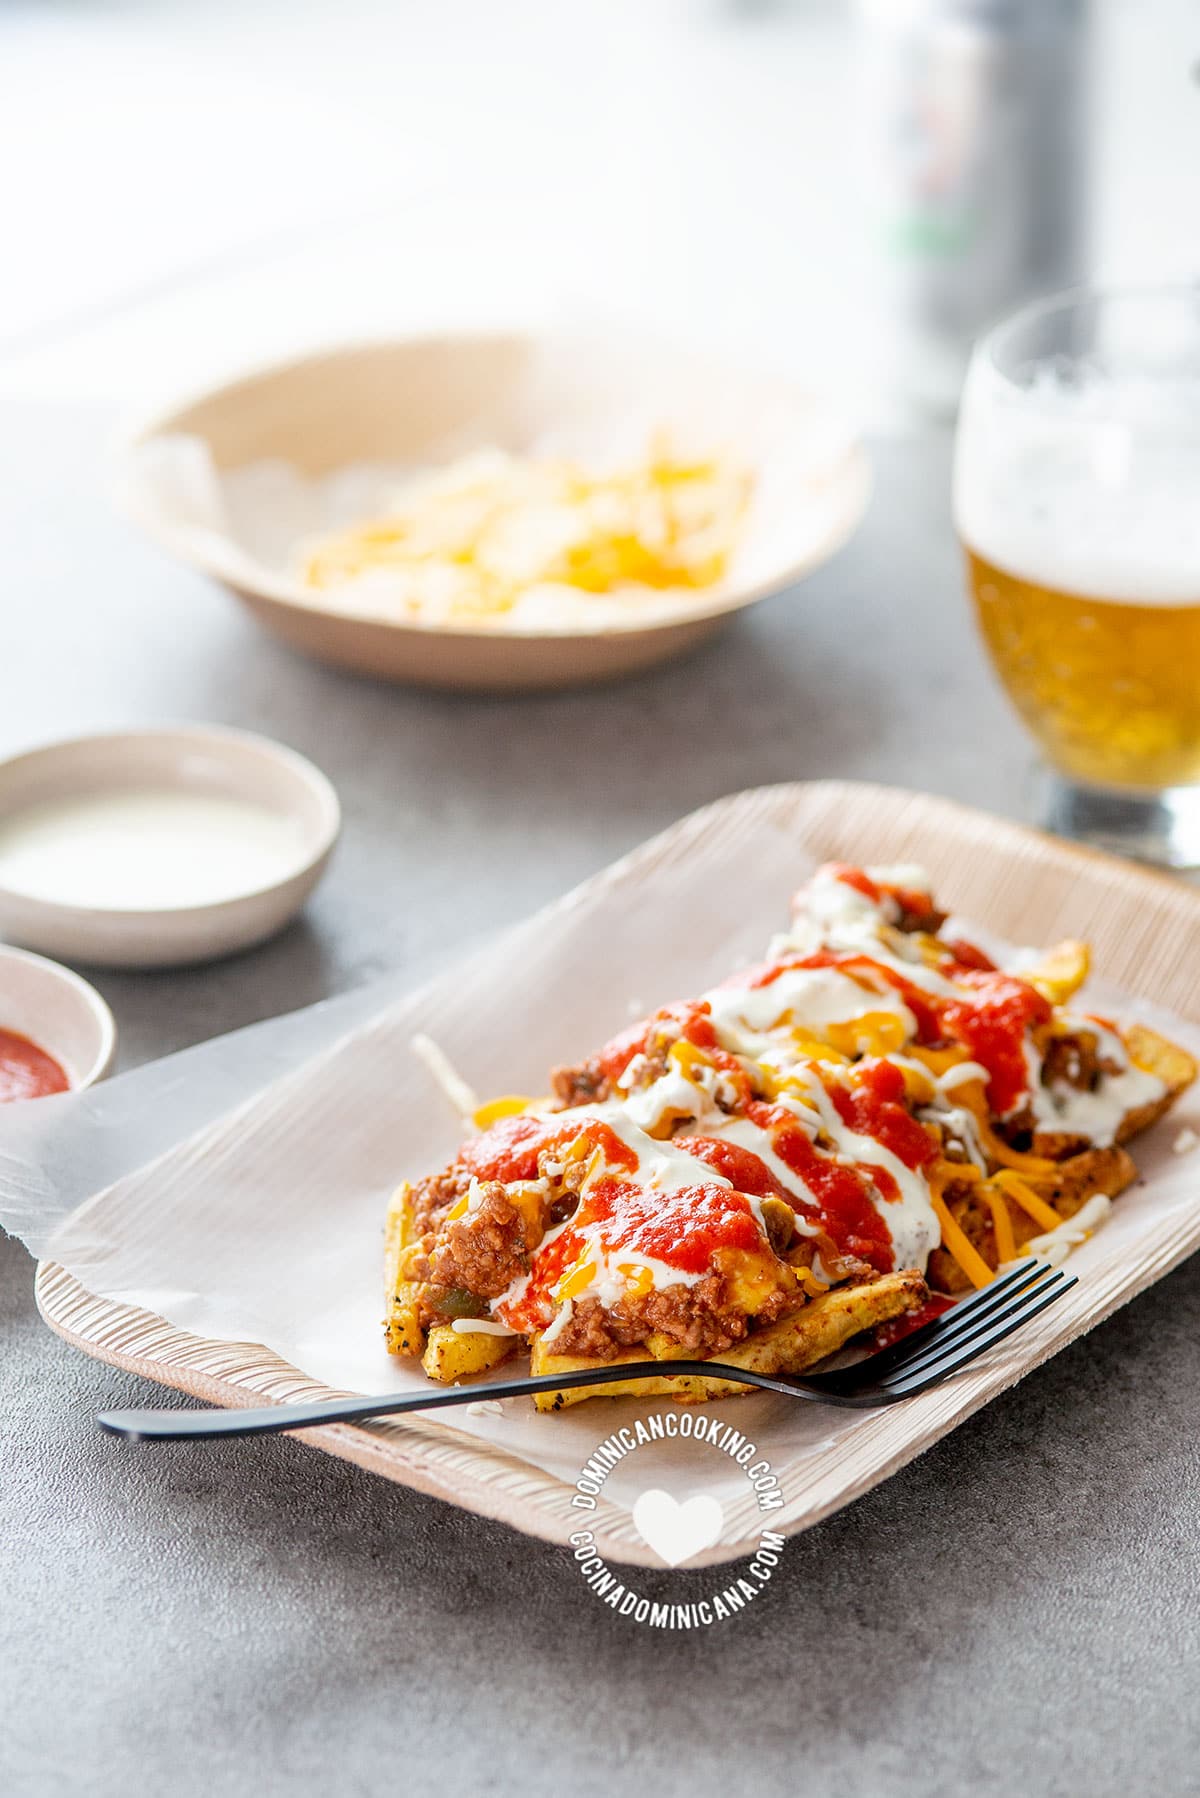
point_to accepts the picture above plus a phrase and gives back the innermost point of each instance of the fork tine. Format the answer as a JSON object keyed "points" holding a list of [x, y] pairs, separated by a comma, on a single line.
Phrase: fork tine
{"points": [[949, 1328], [973, 1325], [975, 1305], [1024, 1311]]}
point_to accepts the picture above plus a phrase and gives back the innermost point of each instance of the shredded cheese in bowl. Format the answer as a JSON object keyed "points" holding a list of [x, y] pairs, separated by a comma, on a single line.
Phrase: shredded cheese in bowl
{"points": [[493, 535]]}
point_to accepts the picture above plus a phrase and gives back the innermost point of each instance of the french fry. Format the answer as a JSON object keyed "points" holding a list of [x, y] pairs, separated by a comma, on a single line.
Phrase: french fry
{"points": [[1172, 1065], [402, 1326], [1061, 971], [1108, 1171], [452, 1354], [795, 1342]]}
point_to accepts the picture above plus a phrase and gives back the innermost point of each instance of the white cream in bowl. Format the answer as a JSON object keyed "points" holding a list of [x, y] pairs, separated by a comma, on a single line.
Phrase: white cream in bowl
{"points": [[153, 848], [147, 848]]}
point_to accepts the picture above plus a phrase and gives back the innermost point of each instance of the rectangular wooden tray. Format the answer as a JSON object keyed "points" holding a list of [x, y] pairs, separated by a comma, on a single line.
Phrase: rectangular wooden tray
{"points": [[1145, 933]]}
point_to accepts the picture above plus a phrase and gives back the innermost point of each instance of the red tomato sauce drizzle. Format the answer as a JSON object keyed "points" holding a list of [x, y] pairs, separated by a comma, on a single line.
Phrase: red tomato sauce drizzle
{"points": [[897, 1328], [743, 1169], [509, 1150], [679, 1226], [874, 1106], [840, 1193], [533, 1309], [694, 1025], [991, 1027], [967, 955], [688, 1021], [858, 878]]}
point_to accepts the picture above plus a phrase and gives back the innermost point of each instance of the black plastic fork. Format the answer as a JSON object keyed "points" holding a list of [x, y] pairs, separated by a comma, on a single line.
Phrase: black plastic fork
{"points": [[923, 1358]]}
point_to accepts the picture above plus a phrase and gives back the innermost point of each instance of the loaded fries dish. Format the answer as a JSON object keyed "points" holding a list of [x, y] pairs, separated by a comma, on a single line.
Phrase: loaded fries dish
{"points": [[839, 1140]]}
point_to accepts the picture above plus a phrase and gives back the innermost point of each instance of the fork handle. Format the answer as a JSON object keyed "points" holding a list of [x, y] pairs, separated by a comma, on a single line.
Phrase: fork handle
{"points": [[176, 1425]]}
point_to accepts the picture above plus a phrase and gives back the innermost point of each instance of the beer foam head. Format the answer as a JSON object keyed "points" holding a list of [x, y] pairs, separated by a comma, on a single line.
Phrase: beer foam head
{"points": [[1085, 482]]}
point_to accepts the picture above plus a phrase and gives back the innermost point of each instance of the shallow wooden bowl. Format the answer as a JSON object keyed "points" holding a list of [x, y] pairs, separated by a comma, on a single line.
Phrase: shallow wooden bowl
{"points": [[423, 400]]}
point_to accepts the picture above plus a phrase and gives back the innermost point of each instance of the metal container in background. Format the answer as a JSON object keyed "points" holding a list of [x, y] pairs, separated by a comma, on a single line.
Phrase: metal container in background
{"points": [[974, 139]]}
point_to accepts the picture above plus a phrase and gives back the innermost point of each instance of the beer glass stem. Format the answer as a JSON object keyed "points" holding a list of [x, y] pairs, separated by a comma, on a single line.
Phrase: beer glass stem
{"points": [[1161, 828]]}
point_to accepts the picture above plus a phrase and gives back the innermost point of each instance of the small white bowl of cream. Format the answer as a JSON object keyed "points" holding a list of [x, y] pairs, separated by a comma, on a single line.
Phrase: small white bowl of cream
{"points": [[153, 848]]}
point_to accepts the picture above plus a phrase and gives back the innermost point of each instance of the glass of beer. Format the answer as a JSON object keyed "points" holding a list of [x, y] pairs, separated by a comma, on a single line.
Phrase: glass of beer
{"points": [[1077, 499]]}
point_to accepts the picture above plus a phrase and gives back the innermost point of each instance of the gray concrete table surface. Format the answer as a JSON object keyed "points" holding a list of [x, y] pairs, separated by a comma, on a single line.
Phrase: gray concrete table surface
{"points": [[1016, 1612]]}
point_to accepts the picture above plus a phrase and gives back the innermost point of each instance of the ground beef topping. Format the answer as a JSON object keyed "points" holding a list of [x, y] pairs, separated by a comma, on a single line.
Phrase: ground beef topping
{"points": [[486, 1249], [700, 1318], [432, 1198]]}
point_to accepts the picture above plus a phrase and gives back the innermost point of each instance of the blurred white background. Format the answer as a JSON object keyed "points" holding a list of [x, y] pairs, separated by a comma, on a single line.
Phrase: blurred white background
{"points": [[193, 185]]}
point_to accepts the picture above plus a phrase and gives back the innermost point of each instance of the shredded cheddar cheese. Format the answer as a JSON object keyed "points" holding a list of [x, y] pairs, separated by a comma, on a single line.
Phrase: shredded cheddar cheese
{"points": [[471, 541], [812, 1286], [938, 1061], [1002, 1224], [874, 1033], [1034, 1167], [640, 1280], [506, 1106], [955, 1242], [575, 1280], [1028, 1200], [687, 1057]]}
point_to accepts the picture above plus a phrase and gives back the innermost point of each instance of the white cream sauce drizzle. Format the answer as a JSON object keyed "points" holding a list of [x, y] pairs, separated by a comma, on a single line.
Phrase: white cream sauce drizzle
{"points": [[1055, 1245], [960, 1124], [960, 1074], [1097, 1114], [672, 1095], [805, 999]]}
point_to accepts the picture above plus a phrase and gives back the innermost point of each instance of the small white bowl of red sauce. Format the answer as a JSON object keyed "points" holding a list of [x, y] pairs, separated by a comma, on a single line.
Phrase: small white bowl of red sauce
{"points": [[56, 1032]]}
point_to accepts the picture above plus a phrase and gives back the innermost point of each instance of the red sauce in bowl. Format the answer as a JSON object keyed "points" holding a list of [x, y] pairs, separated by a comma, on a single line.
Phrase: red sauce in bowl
{"points": [[27, 1072]]}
